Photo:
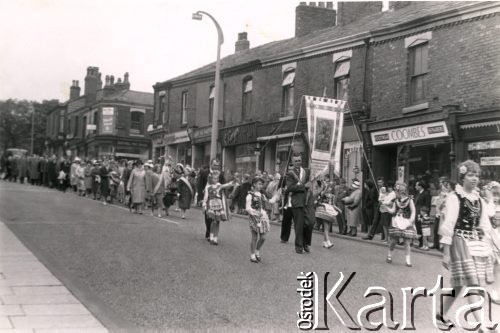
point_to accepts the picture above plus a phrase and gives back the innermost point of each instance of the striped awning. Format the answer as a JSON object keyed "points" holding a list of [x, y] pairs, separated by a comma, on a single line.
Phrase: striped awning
{"points": [[478, 125]]}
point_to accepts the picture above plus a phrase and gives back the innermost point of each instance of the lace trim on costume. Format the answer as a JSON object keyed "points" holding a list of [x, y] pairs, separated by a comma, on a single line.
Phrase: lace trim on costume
{"points": [[403, 203], [472, 196]]}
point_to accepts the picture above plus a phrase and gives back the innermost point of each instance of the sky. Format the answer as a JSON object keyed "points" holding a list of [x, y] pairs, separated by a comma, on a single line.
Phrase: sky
{"points": [[46, 44]]}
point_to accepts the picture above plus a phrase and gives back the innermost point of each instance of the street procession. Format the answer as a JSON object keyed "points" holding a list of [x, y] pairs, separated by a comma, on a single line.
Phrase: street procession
{"points": [[351, 157]]}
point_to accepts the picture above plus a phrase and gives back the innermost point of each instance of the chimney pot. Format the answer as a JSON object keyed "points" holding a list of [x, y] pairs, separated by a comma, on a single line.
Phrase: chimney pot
{"points": [[329, 4], [303, 3], [312, 4], [242, 43], [112, 79], [125, 78], [312, 18], [119, 80], [321, 4]]}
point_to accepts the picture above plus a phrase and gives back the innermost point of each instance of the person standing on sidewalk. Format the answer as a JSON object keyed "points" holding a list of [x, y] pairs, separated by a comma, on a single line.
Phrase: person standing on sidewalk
{"points": [[422, 198], [353, 208], [340, 192]]}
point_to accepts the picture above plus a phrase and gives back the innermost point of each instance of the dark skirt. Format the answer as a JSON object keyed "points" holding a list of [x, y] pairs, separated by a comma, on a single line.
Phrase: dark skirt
{"points": [[385, 219], [169, 199]]}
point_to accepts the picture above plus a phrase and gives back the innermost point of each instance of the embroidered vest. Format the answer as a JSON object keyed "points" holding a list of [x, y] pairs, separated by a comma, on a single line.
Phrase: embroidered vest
{"points": [[468, 214], [405, 212], [256, 202]]}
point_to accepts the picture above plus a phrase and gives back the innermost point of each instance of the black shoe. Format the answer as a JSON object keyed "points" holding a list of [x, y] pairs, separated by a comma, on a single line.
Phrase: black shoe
{"points": [[284, 241], [254, 260], [258, 258], [299, 250], [307, 249], [367, 238]]}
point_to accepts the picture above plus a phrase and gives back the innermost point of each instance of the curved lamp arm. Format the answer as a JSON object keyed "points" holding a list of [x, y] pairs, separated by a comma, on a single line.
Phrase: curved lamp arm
{"points": [[220, 35]]}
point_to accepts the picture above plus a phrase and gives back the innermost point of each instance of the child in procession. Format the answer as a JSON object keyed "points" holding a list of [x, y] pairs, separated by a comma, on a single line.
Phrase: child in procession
{"points": [[259, 221]]}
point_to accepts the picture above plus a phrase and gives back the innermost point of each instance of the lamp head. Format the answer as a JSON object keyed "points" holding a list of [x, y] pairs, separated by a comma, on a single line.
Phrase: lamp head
{"points": [[197, 16]]}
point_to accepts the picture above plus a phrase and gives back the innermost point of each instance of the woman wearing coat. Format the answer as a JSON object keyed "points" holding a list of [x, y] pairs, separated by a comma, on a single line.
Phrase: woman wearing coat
{"points": [[137, 187], [353, 208]]}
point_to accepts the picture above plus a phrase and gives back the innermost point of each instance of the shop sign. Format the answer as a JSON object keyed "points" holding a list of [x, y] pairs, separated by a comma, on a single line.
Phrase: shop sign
{"points": [[483, 145], [177, 137], [107, 120], [492, 160], [410, 133], [203, 134], [91, 127], [239, 135]]}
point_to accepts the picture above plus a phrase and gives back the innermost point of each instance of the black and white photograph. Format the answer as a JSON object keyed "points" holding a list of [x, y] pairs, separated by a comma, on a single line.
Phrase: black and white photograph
{"points": [[249, 166]]}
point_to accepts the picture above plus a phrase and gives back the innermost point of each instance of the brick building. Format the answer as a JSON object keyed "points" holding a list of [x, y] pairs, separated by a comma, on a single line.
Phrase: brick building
{"points": [[372, 58], [105, 121]]}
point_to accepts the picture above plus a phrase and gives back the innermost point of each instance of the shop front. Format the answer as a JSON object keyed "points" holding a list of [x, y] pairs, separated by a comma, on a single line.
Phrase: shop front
{"points": [[481, 143], [201, 140], [412, 151], [240, 150], [158, 143], [178, 147]]}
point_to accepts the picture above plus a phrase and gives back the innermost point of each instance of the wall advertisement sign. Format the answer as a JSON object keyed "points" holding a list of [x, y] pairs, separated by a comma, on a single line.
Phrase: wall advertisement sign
{"points": [[108, 120]]}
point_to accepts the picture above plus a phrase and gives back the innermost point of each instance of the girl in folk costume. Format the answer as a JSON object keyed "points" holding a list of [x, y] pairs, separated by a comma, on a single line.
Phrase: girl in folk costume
{"points": [[466, 251], [186, 192], [492, 197], [326, 213], [259, 221], [215, 205], [403, 222]]}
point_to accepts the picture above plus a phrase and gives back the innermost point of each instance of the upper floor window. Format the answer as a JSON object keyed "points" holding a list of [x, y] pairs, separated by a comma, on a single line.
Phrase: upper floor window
{"points": [[288, 83], [247, 98], [136, 122], [418, 73], [184, 108], [341, 79], [211, 98], [161, 109]]}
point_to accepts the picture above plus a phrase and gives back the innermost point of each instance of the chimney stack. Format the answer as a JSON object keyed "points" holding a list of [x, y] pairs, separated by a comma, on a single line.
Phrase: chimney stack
{"points": [[74, 90], [309, 18], [351, 11], [242, 43], [126, 81], [92, 81]]}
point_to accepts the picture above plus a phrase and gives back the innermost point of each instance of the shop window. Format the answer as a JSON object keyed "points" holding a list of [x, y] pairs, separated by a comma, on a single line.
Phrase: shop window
{"points": [[136, 122], [418, 73], [184, 108], [211, 98], [341, 79], [246, 107], [288, 83]]}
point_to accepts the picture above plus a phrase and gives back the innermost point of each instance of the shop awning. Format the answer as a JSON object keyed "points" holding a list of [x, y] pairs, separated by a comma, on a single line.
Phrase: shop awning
{"points": [[478, 125], [278, 136]]}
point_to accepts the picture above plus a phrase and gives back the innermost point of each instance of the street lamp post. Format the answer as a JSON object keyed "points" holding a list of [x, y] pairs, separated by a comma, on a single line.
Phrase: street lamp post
{"points": [[215, 116]]}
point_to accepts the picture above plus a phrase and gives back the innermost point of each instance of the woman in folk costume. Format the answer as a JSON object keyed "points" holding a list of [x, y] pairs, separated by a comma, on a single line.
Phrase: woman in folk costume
{"points": [[215, 206], [403, 222], [466, 250], [186, 190], [353, 207], [137, 187]]}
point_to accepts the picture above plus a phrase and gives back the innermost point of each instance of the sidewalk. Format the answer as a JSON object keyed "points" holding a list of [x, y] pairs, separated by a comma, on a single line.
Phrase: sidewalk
{"points": [[32, 299]]}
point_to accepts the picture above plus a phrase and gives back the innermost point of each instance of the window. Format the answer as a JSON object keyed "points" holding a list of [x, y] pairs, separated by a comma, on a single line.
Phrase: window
{"points": [[136, 122], [288, 94], [161, 110], [418, 73], [341, 79], [211, 97], [61, 122], [184, 108], [246, 109]]}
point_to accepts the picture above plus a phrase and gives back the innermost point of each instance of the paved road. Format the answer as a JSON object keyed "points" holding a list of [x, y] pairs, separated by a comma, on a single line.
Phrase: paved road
{"points": [[145, 272]]}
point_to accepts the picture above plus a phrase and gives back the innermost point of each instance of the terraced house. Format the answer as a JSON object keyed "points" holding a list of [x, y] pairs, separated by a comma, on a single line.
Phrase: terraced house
{"points": [[421, 80], [106, 121]]}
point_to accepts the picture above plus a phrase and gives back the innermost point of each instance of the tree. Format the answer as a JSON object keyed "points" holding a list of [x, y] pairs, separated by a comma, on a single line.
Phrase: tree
{"points": [[16, 120]]}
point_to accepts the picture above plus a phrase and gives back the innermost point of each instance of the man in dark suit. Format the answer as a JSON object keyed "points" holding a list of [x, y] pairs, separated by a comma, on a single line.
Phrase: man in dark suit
{"points": [[422, 198], [294, 201]]}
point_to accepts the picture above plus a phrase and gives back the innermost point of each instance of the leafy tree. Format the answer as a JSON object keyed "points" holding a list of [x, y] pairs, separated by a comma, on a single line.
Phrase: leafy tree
{"points": [[16, 120]]}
